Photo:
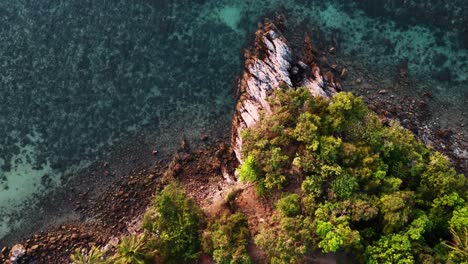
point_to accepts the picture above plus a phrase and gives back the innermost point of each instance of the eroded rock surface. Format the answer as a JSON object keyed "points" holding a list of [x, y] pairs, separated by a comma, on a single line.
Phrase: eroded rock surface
{"points": [[269, 66], [16, 253]]}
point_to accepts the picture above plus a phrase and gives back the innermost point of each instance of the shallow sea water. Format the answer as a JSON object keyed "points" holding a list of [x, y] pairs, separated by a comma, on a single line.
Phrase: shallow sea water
{"points": [[77, 77]]}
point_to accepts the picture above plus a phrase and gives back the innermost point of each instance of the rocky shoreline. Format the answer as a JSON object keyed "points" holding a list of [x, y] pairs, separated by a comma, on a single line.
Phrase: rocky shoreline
{"points": [[118, 210], [206, 171], [105, 216]]}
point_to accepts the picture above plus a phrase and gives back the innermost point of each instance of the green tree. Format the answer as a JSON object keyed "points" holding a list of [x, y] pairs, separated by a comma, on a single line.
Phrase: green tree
{"points": [[441, 179], [460, 217], [275, 161], [441, 211], [397, 210], [336, 235], [227, 239], [344, 186], [174, 223], [459, 229], [290, 242], [418, 227], [247, 171], [359, 209], [330, 147], [306, 129], [344, 109], [289, 205]]}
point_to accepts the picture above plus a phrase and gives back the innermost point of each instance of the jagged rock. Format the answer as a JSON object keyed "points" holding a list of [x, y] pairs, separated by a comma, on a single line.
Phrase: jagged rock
{"points": [[17, 252], [460, 153], [184, 145], [294, 70], [383, 91], [267, 68], [344, 73], [302, 65], [34, 247]]}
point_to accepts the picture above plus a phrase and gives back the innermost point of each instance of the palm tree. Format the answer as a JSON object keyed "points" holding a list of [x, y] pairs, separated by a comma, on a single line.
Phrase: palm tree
{"points": [[459, 246], [133, 250], [94, 256]]}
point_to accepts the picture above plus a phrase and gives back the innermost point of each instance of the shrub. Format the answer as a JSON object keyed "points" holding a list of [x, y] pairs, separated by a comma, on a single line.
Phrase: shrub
{"points": [[230, 199], [174, 223], [289, 205], [226, 239], [247, 171]]}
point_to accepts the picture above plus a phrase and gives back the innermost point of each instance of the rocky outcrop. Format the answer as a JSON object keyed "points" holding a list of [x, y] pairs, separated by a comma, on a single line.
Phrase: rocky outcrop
{"points": [[269, 66]]}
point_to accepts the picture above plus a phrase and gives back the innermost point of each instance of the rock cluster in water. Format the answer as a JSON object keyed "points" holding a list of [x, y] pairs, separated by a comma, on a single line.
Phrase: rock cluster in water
{"points": [[269, 66]]}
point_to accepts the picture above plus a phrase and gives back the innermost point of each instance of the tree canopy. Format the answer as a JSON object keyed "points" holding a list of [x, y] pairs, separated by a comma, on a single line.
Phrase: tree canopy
{"points": [[368, 188]]}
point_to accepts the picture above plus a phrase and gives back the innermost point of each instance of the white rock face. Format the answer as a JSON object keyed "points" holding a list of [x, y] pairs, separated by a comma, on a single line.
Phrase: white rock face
{"points": [[263, 75]]}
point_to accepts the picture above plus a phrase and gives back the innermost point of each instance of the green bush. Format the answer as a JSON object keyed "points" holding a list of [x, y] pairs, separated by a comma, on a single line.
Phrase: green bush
{"points": [[227, 238], [247, 171], [174, 222], [289, 242], [289, 205]]}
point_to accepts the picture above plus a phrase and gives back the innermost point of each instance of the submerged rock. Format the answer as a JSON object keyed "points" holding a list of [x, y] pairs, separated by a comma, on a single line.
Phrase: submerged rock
{"points": [[267, 68]]}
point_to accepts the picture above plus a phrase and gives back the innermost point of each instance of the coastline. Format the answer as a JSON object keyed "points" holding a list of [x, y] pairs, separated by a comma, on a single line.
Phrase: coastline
{"points": [[103, 216], [116, 209]]}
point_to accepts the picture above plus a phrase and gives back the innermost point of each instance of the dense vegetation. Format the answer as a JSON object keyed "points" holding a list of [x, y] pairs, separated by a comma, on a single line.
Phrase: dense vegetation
{"points": [[344, 181], [365, 187]]}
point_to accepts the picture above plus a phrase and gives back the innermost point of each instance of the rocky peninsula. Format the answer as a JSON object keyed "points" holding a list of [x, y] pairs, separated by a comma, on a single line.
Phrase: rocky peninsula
{"points": [[208, 172]]}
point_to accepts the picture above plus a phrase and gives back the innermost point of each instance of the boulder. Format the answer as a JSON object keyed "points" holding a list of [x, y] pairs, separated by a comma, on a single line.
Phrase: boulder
{"points": [[17, 252]]}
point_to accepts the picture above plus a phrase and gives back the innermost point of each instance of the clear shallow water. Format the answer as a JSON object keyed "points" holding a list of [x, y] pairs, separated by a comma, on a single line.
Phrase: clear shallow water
{"points": [[79, 76]]}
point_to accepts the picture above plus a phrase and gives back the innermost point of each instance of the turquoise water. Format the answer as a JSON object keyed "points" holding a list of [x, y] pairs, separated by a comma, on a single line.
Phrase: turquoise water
{"points": [[78, 77]]}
